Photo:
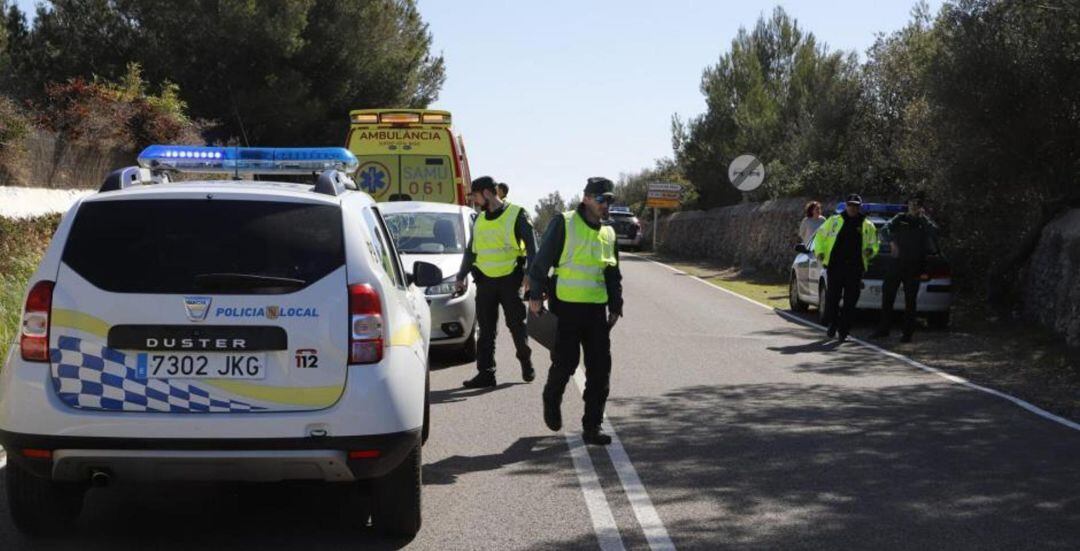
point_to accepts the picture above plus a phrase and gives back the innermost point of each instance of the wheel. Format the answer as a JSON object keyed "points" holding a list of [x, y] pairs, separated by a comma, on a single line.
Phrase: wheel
{"points": [[39, 506], [796, 303], [468, 348], [938, 320], [821, 290], [397, 498]]}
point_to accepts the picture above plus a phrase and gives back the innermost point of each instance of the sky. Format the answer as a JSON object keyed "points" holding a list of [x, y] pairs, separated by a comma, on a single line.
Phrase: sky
{"points": [[547, 94]]}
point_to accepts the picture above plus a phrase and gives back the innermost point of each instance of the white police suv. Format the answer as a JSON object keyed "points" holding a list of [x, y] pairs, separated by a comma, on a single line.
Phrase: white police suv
{"points": [[227, 330]]}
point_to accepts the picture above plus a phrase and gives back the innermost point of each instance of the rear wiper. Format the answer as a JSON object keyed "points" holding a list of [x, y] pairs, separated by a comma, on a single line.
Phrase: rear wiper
{"points": [[244, 281]]}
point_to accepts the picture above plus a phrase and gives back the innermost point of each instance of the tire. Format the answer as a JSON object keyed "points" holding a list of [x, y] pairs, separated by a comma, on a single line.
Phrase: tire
{"points": [[397, 498], [796, 303], [821, 290], [468, 348], [938, 320], [39, 506]]}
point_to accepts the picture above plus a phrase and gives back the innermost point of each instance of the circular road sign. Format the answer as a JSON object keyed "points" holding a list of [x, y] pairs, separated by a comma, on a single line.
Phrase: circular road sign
{"points": [[746, 173]]}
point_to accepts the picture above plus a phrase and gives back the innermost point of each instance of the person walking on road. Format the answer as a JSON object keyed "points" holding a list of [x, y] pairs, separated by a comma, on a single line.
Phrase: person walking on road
{"points": [[845, 245], [912, 237], [501, 246], [587, 302], [811, 222]]}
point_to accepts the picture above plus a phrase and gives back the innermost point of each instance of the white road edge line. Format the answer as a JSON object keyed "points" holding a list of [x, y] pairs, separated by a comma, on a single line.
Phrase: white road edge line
{"points": [[607, 532], [896, 356], [651, 525]]}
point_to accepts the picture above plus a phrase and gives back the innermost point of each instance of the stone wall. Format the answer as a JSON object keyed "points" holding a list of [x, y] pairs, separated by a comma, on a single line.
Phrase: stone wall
{"points": [[46, 161], [751, 235], [1050, 291]]}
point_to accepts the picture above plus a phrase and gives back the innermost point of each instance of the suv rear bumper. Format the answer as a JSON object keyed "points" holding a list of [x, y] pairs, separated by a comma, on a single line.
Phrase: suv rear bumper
{"points": [[242, 460]]}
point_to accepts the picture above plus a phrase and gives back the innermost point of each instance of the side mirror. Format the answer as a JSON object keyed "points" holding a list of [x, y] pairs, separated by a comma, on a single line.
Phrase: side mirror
{"points": [[425, 274], [801, 248]]}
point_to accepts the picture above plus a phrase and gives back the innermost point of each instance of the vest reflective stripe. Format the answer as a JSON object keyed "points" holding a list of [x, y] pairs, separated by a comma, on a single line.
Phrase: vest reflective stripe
{"points": [[497, 249], [586, 253]]}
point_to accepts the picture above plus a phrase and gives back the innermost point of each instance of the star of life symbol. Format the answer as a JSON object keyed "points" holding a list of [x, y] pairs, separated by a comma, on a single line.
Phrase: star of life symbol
{"points": [[372, 179]]}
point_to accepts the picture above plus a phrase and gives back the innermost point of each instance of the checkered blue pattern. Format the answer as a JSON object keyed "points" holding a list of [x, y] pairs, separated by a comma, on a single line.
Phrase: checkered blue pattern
{"points": [[90, 375]]}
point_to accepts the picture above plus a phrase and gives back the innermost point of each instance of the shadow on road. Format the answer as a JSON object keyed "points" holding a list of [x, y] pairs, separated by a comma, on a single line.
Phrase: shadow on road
{"points": [[200, 516], [459, 394], [794, 466], [538, 454]]}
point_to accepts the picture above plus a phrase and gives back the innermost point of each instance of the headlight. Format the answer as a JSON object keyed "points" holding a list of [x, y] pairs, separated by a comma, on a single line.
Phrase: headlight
{"points": [[444, 288]]}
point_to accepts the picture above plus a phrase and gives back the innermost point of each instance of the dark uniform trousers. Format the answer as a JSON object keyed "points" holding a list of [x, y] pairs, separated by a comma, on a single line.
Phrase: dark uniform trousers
{"points": [[581, 326], [491, 292], [910, 278], [846, 283]]}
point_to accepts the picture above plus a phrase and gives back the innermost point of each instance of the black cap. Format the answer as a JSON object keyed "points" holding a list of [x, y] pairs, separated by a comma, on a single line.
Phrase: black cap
{"points": [[482, 183], [599, 186], [854, 199]]}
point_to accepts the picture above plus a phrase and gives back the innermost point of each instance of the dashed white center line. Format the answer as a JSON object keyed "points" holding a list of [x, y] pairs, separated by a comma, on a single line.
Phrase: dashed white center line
{"points": [[651, 525], [607, 532]]}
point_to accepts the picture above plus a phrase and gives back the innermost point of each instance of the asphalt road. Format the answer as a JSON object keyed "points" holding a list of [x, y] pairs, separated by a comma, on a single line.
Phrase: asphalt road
{"points": [[746, 431]]}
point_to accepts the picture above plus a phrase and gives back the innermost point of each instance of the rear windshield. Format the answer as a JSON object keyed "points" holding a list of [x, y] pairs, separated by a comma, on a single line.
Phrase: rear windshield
{"points": [[202, 246]]}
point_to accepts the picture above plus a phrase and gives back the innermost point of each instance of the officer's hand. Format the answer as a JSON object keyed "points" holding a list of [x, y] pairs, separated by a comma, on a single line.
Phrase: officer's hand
{"points": [[525, 286], [612, 318], [459, 288], [536, 306], [869, 252]]}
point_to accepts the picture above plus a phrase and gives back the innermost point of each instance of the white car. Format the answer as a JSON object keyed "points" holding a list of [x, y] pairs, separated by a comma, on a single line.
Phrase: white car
{"points": [[219, 331], [808, 280], [438, 233]]}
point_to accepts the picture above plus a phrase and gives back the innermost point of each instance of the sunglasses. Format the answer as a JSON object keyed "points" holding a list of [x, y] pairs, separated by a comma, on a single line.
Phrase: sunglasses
{"points": [[604, 199]]}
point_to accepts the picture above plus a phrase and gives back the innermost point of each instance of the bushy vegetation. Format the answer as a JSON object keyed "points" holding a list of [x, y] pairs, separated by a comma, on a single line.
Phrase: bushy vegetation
{"points": [[22, 242], [977, 106]]}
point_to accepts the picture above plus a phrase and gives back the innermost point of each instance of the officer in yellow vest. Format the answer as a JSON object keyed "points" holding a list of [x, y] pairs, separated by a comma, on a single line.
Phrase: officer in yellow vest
{"points": [[845, 244], [585, 294], [502, 244]]}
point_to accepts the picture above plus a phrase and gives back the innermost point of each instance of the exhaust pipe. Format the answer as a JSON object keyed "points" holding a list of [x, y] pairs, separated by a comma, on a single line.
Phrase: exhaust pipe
{"points": [[100, 479]]}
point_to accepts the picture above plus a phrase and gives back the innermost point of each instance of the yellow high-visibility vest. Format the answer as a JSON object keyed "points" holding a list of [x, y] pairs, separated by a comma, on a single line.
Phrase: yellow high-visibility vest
{"points": [[586, 253], [825, 238], [497, 249]]}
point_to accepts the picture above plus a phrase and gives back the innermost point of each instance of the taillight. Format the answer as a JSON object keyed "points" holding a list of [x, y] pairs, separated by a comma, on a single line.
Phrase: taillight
{"points": [[365, 325], [34, 338]]}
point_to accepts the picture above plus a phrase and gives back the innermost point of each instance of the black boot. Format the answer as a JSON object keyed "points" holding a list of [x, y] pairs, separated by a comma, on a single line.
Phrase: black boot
{"points": [[595, 437], [527, 372], [842, 336], [831, 331], [481, 380], [552, 414]]}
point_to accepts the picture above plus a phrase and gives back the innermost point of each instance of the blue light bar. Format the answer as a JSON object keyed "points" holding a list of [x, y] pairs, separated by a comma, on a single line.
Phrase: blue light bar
{"points": [[876, 208], [247, 160]]}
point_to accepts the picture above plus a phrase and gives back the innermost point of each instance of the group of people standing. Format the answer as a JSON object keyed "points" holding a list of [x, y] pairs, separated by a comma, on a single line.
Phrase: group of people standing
{"points": [[575, 269], [847, 242]]}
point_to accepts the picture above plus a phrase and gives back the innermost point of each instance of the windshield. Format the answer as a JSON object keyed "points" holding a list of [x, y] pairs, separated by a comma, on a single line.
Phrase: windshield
{"points": [[427, 232]]}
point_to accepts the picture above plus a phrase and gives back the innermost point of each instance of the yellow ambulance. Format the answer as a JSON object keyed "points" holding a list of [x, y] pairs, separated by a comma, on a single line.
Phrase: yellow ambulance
{"points": [[408, 155]]}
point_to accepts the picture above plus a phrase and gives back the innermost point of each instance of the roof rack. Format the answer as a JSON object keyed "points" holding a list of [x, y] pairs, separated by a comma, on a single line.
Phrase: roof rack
{"points": [[126, 177]]}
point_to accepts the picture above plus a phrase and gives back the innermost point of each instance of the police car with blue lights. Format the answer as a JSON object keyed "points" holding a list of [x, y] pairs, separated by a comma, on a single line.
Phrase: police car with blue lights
{"points": [[220, 330], [808, 280]]}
